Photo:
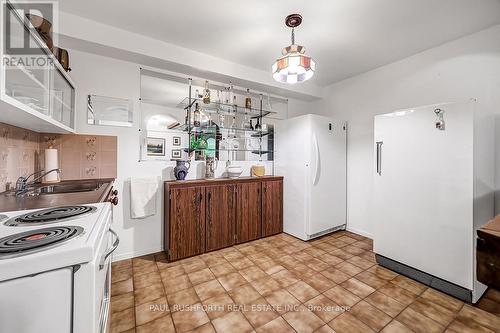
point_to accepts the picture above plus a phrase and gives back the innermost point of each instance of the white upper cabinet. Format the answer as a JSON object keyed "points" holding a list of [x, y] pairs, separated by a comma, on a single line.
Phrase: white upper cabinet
{"points": [[35, 92]]}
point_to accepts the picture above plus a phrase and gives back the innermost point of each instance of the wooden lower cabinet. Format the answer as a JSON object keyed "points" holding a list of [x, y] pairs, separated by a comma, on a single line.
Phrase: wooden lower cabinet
{"points": [[220, 216], [248, 211], [272, 207], [186, 215], [207, 215], [487, 250]]}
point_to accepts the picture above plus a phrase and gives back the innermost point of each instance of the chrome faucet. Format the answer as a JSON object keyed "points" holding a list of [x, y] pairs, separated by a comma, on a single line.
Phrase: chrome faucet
{"points": [[22, 182]]}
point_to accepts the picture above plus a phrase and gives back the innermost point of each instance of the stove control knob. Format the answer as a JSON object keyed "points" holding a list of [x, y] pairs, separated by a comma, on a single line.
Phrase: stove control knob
{"points": [[114, 192], [114, 200]]}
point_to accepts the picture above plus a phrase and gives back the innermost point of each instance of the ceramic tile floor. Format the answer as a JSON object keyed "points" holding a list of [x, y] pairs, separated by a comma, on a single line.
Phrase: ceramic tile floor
{"points": [[281, 284]]}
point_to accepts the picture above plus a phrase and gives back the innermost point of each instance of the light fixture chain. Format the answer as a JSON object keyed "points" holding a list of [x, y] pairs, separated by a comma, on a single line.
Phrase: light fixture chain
{"points": [[293, 36]]}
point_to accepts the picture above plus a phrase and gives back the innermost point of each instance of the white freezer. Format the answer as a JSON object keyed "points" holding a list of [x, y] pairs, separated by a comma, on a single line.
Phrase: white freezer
{"points": [[311, 155], [432, 189]]}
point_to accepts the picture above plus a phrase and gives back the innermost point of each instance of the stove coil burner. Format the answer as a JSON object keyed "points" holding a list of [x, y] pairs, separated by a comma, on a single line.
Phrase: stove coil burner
{"points": [[50, 215], [36, 240]]}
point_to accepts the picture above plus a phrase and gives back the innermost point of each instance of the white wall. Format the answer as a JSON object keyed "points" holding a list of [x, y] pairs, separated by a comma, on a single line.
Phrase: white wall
{"points": [[456, 71], [94, 74], [109, 77]]}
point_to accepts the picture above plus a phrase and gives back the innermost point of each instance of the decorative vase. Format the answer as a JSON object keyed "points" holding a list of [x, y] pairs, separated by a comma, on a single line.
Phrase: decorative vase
{"points": [[181, 170], [210, 167]]}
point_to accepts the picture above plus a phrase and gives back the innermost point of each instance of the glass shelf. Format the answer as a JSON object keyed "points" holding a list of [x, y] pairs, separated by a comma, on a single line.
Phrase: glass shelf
{"points": [[31, 76], [214, 129], [261, 134], [253, 151], [215, 107]]}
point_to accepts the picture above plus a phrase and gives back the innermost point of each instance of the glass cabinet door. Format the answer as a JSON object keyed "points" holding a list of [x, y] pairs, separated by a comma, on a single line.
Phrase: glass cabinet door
{"points": [[27, 76], [62, 96]]}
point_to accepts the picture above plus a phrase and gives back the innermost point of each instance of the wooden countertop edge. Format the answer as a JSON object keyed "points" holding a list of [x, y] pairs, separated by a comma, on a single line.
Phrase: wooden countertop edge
{"points": [[491, 228], [191, 182], [486, 232]]}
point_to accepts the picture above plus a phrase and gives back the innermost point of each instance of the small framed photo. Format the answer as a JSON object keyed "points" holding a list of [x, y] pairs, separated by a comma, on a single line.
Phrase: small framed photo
{"points": [[155, 146], [176, 141], [176, 153]]}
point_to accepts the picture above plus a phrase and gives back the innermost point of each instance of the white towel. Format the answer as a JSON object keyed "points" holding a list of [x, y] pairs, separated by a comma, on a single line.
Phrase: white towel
{"points": [[143, 197]]}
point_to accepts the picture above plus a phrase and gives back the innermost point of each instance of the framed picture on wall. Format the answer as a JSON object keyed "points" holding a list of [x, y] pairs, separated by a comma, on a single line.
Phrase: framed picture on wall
{"points": [[155, 146], [176, 153], [176, 141]]}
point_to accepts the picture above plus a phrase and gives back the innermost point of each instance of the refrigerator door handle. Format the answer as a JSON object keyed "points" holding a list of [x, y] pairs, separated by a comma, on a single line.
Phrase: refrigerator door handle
{"points": [[317, 160], [379, 157]]}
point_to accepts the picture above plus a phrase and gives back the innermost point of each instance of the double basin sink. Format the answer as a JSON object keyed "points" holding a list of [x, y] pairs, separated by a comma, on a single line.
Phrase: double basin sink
{"points": [[61, 188]]}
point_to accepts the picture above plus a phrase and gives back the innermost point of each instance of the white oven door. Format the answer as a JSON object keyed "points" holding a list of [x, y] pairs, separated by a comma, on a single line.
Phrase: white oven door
{"points": [[39, 303], [103, 280]]}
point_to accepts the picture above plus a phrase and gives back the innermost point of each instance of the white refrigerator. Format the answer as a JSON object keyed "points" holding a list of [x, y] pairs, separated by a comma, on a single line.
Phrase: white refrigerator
{"points": [[433, 187], [311, 155]]}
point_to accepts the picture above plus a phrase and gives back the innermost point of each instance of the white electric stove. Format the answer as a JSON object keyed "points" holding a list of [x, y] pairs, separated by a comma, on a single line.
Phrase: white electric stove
{"points": [[55, 269]]}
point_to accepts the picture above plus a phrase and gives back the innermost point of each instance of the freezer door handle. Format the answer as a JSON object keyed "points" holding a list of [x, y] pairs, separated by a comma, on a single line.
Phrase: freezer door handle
{"points": [[317, 160], [379, 157]]}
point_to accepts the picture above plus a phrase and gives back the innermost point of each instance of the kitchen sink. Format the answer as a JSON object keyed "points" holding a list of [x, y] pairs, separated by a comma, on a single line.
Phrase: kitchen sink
{"points": [[65, 188]]}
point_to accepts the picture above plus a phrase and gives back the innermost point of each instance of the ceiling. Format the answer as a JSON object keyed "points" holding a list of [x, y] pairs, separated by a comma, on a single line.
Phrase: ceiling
{"points": [[345, 37]]}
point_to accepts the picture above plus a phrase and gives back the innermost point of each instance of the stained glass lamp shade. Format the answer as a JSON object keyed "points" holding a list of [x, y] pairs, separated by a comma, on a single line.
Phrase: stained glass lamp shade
{"points": [[294, 66]]}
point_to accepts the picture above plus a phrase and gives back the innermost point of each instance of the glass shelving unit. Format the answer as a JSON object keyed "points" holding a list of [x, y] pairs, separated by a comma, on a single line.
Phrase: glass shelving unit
{"points": [[225, 135], [213, 129], [217, 107]]}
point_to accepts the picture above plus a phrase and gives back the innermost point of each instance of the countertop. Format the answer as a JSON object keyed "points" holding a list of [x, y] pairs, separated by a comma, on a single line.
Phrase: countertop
{"points": [[9, 202], [220, 180], [492, 227]]}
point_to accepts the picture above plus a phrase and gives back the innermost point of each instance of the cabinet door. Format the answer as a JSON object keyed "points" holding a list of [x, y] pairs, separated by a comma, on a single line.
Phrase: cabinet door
{"points": [[187, 222], [272, 207], [220, 216], [28, 83], [248, 212], [62, 99]]}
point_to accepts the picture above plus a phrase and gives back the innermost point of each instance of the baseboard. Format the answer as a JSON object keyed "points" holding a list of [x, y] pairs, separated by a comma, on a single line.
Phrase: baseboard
{"points": [[128, 255], [447, 287], [359, 232], [134, 254], [305, 237], [326, 232]]}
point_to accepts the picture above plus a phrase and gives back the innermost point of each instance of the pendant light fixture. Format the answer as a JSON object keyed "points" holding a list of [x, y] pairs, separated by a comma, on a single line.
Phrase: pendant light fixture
{"points": [[294, 66]]}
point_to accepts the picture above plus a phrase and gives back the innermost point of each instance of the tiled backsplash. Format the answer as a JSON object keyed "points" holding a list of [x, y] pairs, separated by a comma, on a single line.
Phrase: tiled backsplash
{"points": [[19, 153], [80, 156]]}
